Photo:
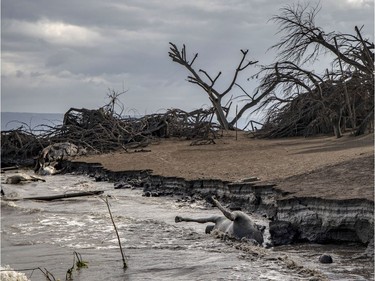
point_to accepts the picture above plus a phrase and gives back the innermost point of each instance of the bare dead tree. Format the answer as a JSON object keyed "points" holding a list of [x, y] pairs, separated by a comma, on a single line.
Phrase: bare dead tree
{"points": [[345, 91], [208, 83], [114, 100], [303, 41]]}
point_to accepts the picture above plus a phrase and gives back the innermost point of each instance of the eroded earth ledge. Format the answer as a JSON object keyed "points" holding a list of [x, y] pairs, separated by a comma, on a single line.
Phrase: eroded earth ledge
{"points": [[292, 218]]}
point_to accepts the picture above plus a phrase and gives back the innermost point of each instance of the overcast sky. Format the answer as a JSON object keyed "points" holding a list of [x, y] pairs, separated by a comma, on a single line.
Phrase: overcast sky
{"points": [[62, 54]]}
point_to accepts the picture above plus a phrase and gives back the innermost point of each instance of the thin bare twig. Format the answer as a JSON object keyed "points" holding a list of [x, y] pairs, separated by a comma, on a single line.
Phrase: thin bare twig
{"points": [[116, 231]]}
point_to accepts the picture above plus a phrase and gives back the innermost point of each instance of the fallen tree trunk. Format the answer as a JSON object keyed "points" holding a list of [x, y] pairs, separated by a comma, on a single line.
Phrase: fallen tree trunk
{"points": [[66, 195], [9, 168]]}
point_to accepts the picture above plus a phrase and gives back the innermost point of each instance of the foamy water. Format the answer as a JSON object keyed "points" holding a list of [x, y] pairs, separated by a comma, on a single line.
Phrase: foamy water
{"points": [[45, 234]]}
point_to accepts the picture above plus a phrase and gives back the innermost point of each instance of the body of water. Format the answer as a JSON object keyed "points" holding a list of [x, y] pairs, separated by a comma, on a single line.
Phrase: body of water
{"points": [[29, 121], [46, 234]]}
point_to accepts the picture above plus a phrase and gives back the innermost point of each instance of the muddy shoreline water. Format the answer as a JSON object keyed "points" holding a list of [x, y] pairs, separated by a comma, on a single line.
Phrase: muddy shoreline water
{"points": [[292, 219], [157, 248]]}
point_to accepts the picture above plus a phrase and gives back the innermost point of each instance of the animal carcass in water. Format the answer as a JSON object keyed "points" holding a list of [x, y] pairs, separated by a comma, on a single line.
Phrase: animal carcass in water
{"points": [[235, 224]]}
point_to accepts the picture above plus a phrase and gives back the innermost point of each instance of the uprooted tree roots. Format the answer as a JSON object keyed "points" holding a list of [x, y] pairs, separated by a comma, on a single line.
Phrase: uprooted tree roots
{"points": [[101, 131]]}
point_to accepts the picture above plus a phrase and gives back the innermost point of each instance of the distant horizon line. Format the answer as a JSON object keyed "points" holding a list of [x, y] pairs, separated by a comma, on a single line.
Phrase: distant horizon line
{"points": [[54, 113], [24, 112]]}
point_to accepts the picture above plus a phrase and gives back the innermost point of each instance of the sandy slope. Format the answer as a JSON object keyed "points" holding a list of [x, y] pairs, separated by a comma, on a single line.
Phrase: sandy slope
{"points": [[320, 166]]}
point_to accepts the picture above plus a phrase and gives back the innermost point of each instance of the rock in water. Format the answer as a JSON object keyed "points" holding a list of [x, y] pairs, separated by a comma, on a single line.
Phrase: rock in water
{"points": [[325, 258]]}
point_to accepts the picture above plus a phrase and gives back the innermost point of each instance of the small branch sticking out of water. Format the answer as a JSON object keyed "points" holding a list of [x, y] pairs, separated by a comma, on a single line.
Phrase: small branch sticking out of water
{"points": [[118, 236], [48, 275], [80, 264]]}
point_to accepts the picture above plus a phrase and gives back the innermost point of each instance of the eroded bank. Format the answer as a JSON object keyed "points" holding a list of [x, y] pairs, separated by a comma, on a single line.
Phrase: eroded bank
{"points": [[292, 219]]}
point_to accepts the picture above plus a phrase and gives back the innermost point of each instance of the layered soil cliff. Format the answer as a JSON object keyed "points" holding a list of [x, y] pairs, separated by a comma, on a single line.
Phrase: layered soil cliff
{"points": [[318, 190]]}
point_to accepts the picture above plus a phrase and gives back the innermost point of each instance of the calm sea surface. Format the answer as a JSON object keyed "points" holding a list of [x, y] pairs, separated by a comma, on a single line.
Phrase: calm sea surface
{"points": [[34, 121], [46, 234]]}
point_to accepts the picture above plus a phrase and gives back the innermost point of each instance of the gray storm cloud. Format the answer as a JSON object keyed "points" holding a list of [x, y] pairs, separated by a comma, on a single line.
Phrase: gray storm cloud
{"points": [[60, 54]]}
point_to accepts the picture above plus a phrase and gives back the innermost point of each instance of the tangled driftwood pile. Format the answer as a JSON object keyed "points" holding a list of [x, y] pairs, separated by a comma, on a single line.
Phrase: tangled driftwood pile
{"points": [[100, 131]]}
